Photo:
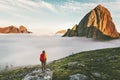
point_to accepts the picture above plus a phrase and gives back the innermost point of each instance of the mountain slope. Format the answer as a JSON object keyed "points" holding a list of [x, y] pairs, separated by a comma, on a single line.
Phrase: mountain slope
{"points": [[97, 24], [103, 64], [61, 32], [71, 32]]}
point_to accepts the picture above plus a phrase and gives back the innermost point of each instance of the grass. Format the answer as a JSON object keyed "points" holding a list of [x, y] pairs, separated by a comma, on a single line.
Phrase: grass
{"points": [[106, 62]]}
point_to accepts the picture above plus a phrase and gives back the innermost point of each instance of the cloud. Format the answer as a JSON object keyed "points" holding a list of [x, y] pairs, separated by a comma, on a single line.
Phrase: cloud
{"points": [[21, 6], [4, 6], [36, 6], [28, 3], [78, 6], [74, 6], [48, 6]]}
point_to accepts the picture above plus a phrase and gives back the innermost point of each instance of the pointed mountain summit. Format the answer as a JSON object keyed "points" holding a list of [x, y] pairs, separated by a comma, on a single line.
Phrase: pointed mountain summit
{"points": [[97, 24]]}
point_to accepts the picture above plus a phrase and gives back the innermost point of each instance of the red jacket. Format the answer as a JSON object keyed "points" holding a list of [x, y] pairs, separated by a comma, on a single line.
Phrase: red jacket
{"points": [[43, 57]]}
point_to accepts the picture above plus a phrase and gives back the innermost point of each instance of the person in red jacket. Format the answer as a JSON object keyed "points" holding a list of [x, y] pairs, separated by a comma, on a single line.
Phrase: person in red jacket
{"points": [[43, 60]]}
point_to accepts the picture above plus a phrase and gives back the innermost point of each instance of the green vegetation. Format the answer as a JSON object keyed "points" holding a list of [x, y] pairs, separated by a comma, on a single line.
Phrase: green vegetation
{"points": [[17, 73], [105, 63]]}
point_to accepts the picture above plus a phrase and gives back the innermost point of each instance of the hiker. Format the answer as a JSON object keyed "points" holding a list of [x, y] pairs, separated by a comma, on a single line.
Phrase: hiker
{"points": [[43, 60]]}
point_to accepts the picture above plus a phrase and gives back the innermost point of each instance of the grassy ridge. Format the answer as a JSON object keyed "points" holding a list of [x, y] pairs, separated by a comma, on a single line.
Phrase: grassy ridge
{"points": [[17, 73], [105, 62]]}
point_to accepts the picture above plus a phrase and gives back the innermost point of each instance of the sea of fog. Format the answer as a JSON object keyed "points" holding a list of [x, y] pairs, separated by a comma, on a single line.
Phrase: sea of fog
{"points": [[24, 49]]}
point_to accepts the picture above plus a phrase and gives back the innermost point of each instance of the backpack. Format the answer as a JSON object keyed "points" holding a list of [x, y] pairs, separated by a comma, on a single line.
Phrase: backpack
{"points": [[42, 57]]}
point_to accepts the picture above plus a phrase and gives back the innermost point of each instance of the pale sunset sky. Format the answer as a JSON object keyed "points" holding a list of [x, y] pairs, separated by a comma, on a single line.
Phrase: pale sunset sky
{"points": [[49, 16]]}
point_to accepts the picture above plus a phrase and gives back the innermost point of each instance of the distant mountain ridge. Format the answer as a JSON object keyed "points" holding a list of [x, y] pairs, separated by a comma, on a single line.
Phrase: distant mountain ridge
{"points": [[96, 24], [71, 32], [61, 32], [13, 29]]}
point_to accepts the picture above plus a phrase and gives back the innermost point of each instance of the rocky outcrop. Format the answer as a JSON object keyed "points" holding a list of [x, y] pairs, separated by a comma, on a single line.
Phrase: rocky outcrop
{"points": [[78, 77], [61, 32], [39, 75], [71, 32], [23, 29], [13, 29], [97, 24], [9, 29]]}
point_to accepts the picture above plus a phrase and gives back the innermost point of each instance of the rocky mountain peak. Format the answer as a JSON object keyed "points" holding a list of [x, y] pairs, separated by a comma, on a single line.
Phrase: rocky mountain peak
{"points": [[99, 6], [97, 24]]}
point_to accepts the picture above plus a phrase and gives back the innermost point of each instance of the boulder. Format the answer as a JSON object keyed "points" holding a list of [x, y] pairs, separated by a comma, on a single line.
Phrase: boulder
{"points": [[78, 77], [96, 74], [39, 75]]}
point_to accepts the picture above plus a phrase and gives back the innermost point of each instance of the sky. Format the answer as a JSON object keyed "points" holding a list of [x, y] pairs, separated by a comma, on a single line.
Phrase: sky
{"points": [[49, 16]]}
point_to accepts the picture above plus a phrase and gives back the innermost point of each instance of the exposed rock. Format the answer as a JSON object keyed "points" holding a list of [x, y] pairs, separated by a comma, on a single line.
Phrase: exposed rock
{"points": [[13, 29], [96, 24], [39, 75], [9, 29], [73, 63], [78, 77], [71, 32], [61, 32], [113, 57], [23, 29], [96, 74]]}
